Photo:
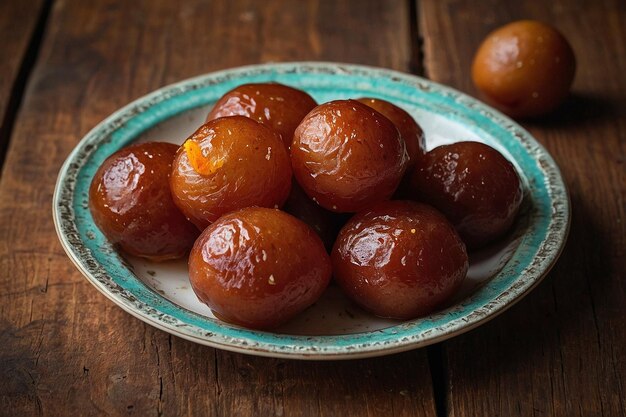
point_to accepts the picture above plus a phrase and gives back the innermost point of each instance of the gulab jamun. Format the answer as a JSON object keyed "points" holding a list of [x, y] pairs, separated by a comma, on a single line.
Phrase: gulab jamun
{"points": [[346, 156], [277, 106], [399, 259], [525, 68], [258, 267], [410, 131], [131, 203], [326, 223], [476, 187], [227, 164]]}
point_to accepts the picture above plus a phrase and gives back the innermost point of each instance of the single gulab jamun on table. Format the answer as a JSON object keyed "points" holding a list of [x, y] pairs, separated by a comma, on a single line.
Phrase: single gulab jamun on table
{"points": [[410, 131], [525, 68], [277, 106], [258, 267], [227, 164], [131, 203], [346, 156], [476, 187], [399, 259]]}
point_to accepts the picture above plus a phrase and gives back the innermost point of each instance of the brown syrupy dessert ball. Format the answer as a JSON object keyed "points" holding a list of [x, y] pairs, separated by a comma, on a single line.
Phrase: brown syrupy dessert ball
{"points": [[399, 259], [346, 156], [524, 68], [326, 223], [410, 131], [476, 187], [131, 203], [227, 164], [258, 267], [277, 106]]}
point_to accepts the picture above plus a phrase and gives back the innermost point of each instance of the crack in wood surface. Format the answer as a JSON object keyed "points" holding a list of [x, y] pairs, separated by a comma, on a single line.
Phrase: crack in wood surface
{"points": [[20, 79]]}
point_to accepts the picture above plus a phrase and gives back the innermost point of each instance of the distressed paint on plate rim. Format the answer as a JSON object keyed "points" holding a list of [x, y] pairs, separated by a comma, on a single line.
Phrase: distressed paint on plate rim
{"points": [[537, 252]]}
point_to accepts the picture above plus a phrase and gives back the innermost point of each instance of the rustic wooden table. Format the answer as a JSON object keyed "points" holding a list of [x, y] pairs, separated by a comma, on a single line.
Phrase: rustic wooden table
{"points": [[67, 350]]}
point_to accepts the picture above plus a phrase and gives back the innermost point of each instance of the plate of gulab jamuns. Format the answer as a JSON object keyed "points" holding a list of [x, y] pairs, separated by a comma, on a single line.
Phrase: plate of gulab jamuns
{"points": [[311, 210]]}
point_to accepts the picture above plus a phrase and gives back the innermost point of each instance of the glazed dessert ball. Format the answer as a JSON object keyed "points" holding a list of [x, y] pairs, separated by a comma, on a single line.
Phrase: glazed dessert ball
{"points": [[131, 202], [476, 187], [277, 106], [346, 156], [399, 259], [258, 267], [325, 223], [410, 131], [227, 164], [524, 68]]}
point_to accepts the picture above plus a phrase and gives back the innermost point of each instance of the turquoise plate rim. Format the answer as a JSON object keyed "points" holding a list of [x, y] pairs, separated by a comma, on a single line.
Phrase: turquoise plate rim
{"points": [[538, 250]]}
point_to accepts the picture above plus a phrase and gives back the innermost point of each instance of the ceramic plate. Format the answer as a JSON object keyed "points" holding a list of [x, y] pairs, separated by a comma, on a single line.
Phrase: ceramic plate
{"points": [[160, 294]]}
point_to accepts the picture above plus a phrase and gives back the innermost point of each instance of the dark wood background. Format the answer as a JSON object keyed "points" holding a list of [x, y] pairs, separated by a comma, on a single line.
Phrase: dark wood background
{"points": [[66, 350]]}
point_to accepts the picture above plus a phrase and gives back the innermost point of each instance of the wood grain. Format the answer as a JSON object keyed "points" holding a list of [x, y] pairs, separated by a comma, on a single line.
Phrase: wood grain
{"points": [[18, 24], [559, 352], [66, 349]]}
